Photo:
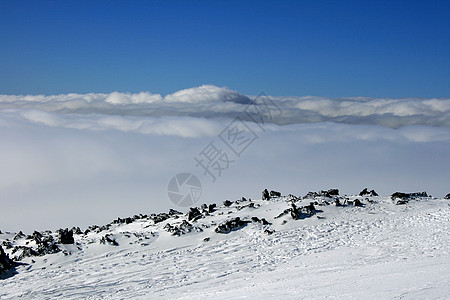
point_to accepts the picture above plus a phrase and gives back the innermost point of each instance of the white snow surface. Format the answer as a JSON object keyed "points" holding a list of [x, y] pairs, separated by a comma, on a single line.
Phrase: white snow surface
{"points": [[378, 251]]}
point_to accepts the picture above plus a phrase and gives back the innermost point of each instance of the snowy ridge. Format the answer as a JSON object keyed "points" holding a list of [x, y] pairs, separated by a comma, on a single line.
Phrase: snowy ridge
{"points": [[322, 245]]}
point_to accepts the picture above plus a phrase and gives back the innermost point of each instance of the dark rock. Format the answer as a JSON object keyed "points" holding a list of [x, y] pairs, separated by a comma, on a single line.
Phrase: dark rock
{"points": [[5, 262], [206, 239], [333, 192], [233, 224], [65, 236], [447, 196], [19, 235], [160, 217], [263, 220], [285, 212], [299, 212], [269, 231], [118, 221], [183, 228], [108, 239], [265, 195], [211, 207], [293, 198], [329, 194], [47, 246], [337, 202], [399, 195], [274, 194], [295, 212], [37, 237], [173, 212], [204, 207], [310, 208], [419, 194], [401, 202], [7, 244], [405, 197], [311, 195], [365, 192], [357, 202], [227, 203], [194, 214], [77, 230]]}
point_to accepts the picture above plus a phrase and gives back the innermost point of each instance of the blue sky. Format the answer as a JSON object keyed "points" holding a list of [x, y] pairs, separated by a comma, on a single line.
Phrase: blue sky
{"points": [[324, 48]]}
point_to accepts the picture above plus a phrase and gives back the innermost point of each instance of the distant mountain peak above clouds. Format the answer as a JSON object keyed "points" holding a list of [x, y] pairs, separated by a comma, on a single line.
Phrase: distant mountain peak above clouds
{"points": [[208, 93]]}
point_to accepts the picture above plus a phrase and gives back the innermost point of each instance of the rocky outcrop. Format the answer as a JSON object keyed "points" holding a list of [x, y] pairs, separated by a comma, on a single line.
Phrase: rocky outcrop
{"points": [[298, 213], [45, 244], [265, 195], [194, 214], [400, 198], [109, 239], [331, 193], [274, 194], [5, 262], [65, 236], [183, 228], [357, 202], [366, 193], [161, 217], [211, 208], [262, 221], [230, 225], [447, 196], [227, 203]]}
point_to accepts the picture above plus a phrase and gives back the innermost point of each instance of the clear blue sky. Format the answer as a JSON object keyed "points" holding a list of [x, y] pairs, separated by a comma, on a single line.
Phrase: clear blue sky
{"points": [[324, 48]]}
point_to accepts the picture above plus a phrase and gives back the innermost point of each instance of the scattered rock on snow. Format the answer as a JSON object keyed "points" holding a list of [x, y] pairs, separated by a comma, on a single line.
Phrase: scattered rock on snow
{"points": [[230, 225], [183, 228]]}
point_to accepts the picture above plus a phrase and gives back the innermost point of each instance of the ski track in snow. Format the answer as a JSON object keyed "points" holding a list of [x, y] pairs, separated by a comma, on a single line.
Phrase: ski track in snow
{"points": [[377, 251]]}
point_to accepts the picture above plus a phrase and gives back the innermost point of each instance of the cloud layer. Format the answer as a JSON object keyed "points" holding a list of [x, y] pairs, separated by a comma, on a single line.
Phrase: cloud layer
{"points": [[81, 159], [132, 111]]}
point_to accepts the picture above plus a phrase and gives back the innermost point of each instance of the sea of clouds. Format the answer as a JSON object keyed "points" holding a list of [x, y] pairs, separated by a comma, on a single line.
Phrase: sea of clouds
{"points": [[80, 159]]}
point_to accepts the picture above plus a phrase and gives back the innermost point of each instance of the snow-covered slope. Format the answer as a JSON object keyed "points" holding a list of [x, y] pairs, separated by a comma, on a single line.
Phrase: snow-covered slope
{"points": [[281, 247]]}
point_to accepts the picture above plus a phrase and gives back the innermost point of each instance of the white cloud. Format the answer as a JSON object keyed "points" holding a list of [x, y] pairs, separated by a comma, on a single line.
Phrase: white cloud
{"points": [[78, 159], [214, 102], [127, 98]]}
